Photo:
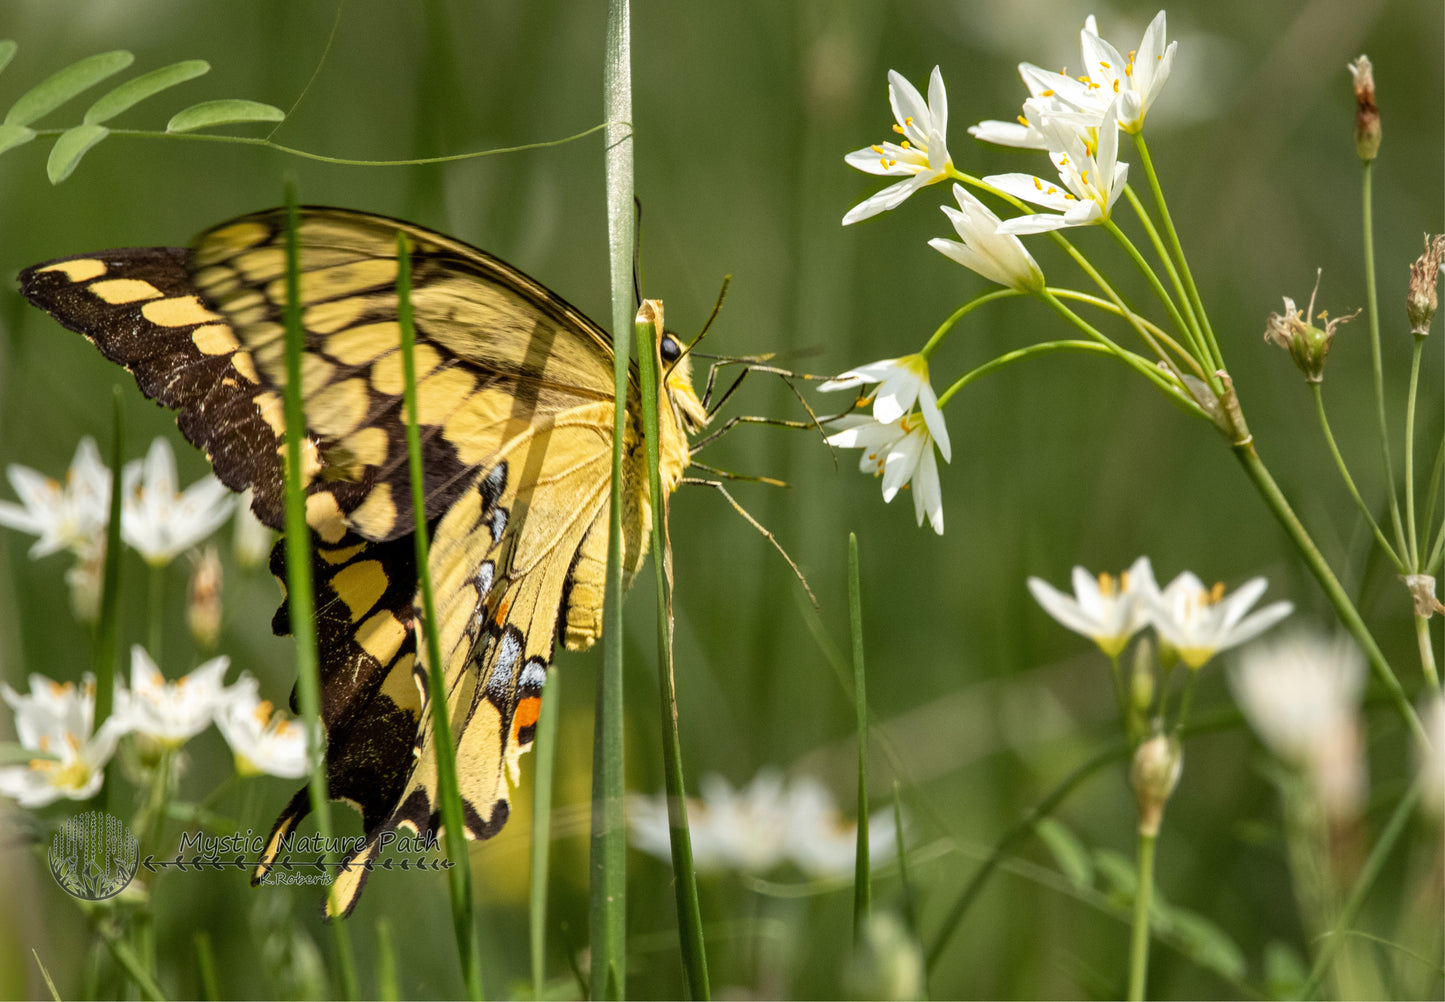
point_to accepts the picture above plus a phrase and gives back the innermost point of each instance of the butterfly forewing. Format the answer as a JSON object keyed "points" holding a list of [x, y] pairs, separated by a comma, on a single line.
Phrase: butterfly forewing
{"points": [[516, 414]]}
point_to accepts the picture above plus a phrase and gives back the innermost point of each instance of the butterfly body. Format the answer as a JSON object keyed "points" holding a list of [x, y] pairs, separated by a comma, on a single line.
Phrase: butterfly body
{"points": [[516, 413]]}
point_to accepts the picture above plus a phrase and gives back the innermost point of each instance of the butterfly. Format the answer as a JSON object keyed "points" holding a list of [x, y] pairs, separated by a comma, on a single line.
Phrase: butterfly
{"points": [[515, 393]]}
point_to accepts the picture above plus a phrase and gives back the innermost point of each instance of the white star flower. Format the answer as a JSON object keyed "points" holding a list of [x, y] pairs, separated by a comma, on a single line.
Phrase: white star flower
{"points": [[174, 712], [1135, 80], [1200, 622], [70, 516], [1091, 173], [765, 825], [58, 721], [1107, 610], [998, 257], [1301, 694], [902, 383], [158, 520], [262, 741], [920, 159], [900, 452]]}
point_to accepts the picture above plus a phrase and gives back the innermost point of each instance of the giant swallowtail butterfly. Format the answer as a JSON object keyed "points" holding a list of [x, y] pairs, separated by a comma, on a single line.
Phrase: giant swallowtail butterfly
{"points": [[515, 399]]}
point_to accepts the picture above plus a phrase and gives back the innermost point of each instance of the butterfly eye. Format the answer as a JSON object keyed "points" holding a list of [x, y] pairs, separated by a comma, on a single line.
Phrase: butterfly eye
{"points": [[669, 349]]}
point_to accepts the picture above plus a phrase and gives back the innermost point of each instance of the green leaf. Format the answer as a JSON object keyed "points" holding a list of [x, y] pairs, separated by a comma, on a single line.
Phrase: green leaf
{"points": [[1285, 972], [7, 52], [1117, 871], [1207, 944], [12, 136], [132, 92], [227, 111], [70, 147], [63, 85], [1069, 853]]}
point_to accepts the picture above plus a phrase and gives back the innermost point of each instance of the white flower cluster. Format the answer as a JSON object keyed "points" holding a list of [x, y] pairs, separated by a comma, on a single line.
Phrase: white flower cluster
{"points": [[157, 519], [56, 724], [767, 824], [1076, 121], [1192, 621]]}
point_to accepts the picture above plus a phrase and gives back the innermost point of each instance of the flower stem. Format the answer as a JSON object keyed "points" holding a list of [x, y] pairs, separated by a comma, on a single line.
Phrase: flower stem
{"points": [[1372, 301], [1163, 255], [1427, 651], [1414, 556], [154, 630], [1318, 394], [958, 314], [1172, 234], [1139, 934], [1196, 349], [1344, 608]]}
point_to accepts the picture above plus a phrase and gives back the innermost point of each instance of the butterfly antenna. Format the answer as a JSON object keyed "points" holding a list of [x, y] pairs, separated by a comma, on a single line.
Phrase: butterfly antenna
{"points": [[716, 309], [717, 485]]}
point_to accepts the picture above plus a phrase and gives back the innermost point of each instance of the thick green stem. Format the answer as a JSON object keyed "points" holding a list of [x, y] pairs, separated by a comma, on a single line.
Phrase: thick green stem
{"points": [[1413, 555], [1139, 934], [1427, 651], [1344, 608]]}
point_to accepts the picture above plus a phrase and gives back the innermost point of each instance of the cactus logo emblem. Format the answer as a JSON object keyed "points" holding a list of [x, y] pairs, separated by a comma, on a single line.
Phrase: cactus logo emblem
{"points": [[93, 856]]}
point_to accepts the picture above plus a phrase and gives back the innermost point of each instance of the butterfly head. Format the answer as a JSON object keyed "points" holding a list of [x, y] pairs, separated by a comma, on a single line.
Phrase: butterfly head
{"points": [[677, 378]]}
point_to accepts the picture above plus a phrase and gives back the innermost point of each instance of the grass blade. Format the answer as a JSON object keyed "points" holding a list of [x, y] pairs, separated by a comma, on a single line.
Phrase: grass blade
{"points": [[299, 594], [65, 84], [8, 47], [544, 751], [459, 877], [684, 879], [227, 111], [607, 914], [862, 880], [136, 90], [107, 647]]}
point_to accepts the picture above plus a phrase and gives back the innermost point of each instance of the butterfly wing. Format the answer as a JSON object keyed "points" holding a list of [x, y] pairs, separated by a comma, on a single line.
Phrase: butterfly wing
{"points": [[516, 414]]}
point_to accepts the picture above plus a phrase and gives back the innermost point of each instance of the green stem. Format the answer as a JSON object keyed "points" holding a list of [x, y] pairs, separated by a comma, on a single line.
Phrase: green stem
{"points": [[1196, 349], [1121, 691], [862, 885], [1164, 258], [1173, 387], [459, 877], [1372, 308], [1186, 699], [156, 618], [1384, 845], [1414, 554], [1437, 473], [960, 313], [1427, 651], [1273, 497], [684, 877], [1316, 390], [1154, 331], [1139, 933], [1178, 249], [107, 643], [544, 746]]}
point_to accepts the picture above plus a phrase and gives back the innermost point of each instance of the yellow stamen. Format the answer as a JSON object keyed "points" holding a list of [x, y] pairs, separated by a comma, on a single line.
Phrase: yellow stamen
{"points": [[1038, 185], [876, 148], [1215, 594], [1116, 85], [908, 120], [1023, 121], [898, 129], [1084, 177], [1046, 93], [1104, 64], [906, 144], [1067, 196], [1106, 586]]}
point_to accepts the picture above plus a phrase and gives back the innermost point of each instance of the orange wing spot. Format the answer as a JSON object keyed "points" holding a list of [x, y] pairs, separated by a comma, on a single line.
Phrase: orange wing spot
{"points": [[526, 714], [503, 607]]}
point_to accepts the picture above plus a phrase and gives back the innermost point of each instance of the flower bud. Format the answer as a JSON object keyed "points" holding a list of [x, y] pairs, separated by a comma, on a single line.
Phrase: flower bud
{"points": [[203, 598], [1154, 775], [1421, 300], [1367, 116], [1141, 687], [1307, 344]]}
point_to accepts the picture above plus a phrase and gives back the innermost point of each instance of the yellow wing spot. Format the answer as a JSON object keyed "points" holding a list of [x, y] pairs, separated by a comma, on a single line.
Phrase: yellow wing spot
{"points": [[441, 394], [245, 307], [338, 280], [217, 280], [245, 365], [215, 339], [261, 264], [315, 374], [386, 375], [368, 446], [381, 636], [471, 429], [337, 409], [117, 291], [323, 514], [365, 344], [231, 240], [273, 412], [376, 516], [80, 270], [360, 586], [181, 311], [401, 686], [330, 317]]}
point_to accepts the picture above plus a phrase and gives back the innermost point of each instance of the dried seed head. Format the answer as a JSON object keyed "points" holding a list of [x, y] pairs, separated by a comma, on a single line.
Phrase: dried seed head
{"points": [[1367, 116], [1421, 300], [1307, 344]]}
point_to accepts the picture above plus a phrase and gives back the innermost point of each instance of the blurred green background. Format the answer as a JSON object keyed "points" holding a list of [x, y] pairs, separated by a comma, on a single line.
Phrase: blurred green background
{"points": [[743, 114]]}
